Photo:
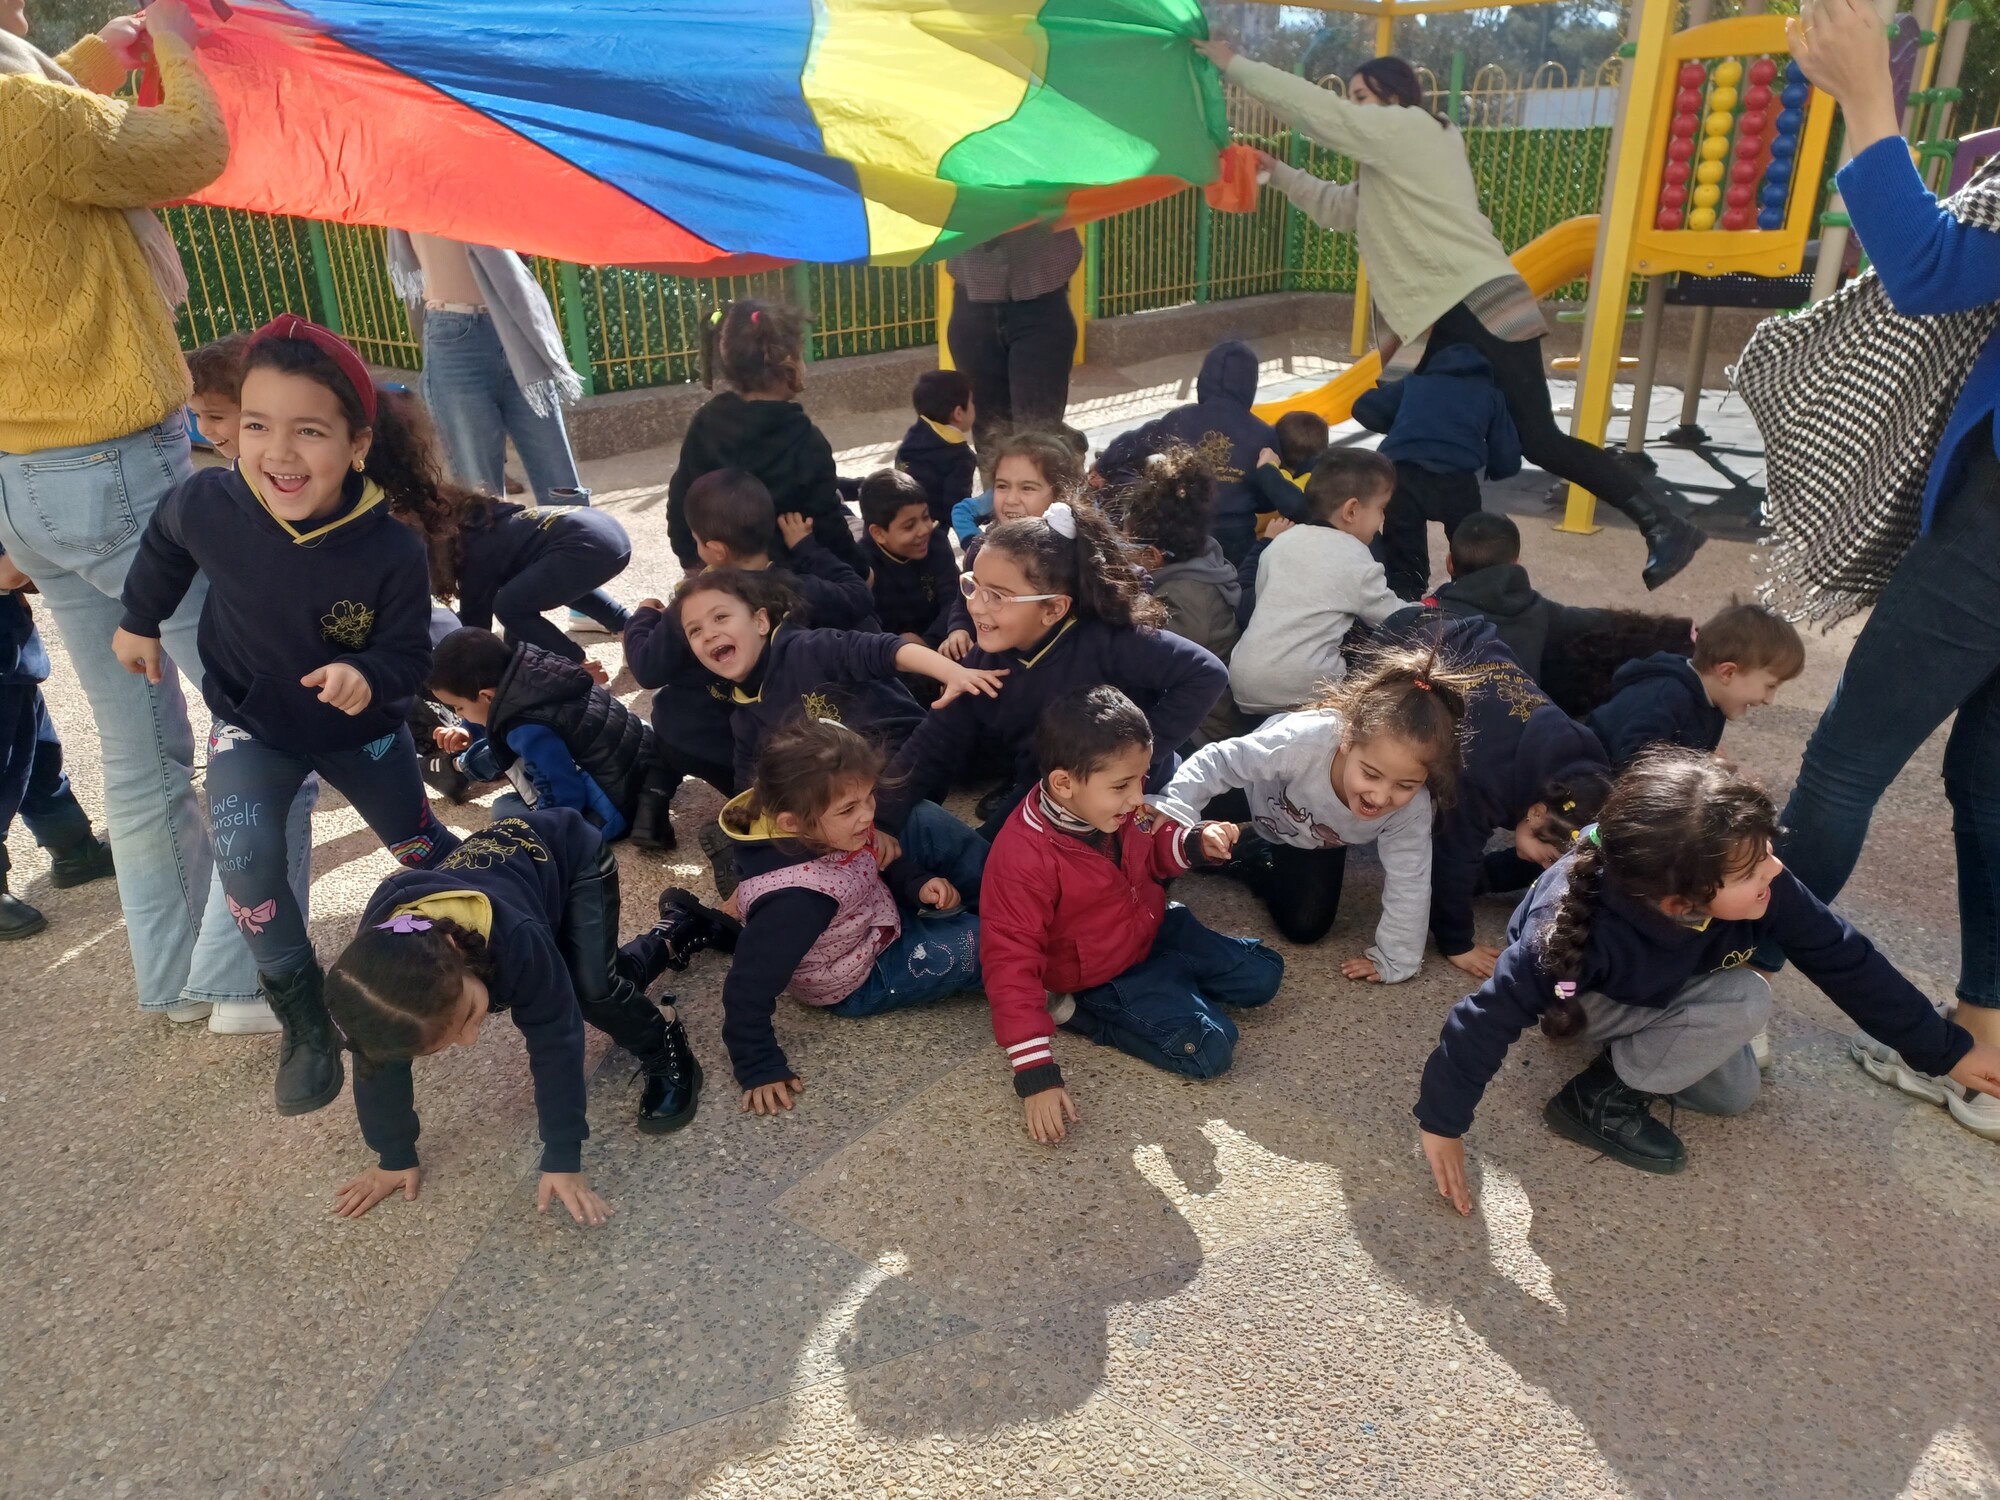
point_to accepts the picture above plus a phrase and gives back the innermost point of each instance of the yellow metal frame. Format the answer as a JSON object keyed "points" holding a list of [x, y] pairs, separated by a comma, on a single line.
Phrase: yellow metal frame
{"points": [[1714, 252]]}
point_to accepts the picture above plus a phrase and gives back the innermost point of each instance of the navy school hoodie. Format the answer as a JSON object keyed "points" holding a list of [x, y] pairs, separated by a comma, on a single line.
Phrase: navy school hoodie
{"points": [[849, 675], [776, 441], [1637, 956], [522, 867], [494, 549], [940, 458], [1220, 424], [917, 597], [1173, 681], [1657, 701], [1532, 626], [691, 705], [1449, 417], [779, 930], [353, 589]]}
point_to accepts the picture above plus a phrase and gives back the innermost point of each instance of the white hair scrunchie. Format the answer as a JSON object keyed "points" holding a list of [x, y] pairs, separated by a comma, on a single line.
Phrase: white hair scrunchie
{"points": [[1061, 519]]}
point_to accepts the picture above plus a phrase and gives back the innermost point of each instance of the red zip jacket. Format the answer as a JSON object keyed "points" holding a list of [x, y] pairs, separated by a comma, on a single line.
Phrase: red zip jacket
{"points": [[1057, 916]]}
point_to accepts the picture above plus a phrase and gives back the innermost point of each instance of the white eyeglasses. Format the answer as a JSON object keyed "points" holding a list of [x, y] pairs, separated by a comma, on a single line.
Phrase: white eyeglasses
{"points": [[974, 590]]}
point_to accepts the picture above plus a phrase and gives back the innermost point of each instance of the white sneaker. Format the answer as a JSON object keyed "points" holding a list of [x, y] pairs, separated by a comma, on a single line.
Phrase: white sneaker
{"points": [[1760, 1048], [188, 1014], [242, 1018], [1978, 1113]]}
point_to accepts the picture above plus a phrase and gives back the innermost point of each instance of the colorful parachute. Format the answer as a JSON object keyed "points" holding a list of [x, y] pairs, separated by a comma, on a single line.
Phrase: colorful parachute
{"points": [[710, 135]]}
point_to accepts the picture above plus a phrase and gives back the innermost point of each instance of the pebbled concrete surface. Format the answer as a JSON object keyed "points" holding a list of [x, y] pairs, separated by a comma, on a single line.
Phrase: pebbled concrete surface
{"points": [[1238, 1288]]}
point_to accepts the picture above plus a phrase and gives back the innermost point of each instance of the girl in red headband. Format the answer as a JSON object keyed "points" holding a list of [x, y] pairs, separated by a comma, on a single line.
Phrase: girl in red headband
{"points": [[314, 637]]}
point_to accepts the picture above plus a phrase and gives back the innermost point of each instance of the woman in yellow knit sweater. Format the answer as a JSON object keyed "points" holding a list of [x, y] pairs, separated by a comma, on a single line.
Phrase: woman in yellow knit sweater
{"points": [[92, 437]]}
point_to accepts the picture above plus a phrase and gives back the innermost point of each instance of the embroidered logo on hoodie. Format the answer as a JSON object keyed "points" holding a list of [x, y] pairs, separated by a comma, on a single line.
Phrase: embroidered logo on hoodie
{"points": [[348, 624]]}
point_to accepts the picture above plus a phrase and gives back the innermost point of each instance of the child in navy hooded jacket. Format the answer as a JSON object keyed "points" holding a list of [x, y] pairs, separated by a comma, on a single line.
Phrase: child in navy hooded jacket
{"points": [[517, 562], [1742, 655]]}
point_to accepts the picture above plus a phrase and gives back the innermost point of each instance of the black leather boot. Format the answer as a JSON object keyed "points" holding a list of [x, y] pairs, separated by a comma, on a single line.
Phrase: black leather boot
{"points": [[673, 1082], [17, 918], [689, 927], [652, 827], [1671, 540], [1599, 1110], [80, 863], [309, 1067]]}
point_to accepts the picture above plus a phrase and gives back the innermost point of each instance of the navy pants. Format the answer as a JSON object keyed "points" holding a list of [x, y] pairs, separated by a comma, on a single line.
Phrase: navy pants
{"points": [[1018, 356], [1164, 1009], [250, 787], [32, 782], [1422, 496], [586, 548]]}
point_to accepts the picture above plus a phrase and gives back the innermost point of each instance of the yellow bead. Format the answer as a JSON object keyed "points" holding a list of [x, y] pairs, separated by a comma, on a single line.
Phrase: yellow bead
{"points": [[1709, 171], [1701, 218], [1722, 98], [1718, 123], [1729, 73], [1707, 195], [1714, 148]]}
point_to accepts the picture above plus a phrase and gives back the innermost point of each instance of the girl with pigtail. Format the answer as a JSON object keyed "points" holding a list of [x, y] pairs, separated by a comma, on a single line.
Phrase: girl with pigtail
{"points": [[522, 918], [1648, 927], [1055, 604], [1366, 763], [758, 425]]}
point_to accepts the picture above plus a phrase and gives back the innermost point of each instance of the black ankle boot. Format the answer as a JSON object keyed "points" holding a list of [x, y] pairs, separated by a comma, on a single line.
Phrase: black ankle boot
{"points": [[673, 1082], [17, 918], [309, 1068], [652, 827], [1599, 1110], [721, 851], [689, 927], [80, 863], [1671, 540]]}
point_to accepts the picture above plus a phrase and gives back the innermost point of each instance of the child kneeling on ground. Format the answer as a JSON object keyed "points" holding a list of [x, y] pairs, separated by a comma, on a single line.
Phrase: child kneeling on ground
{"points": [[835, 911], [1649, 927], [523, 918], [1078, 930]]}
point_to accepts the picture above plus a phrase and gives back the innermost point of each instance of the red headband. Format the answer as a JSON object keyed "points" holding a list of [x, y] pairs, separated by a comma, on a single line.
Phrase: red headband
{"points": [[334, 347]]}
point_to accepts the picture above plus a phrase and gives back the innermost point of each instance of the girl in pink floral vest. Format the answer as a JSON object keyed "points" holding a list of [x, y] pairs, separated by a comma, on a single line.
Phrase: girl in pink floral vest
{"points": [[834, 911]]}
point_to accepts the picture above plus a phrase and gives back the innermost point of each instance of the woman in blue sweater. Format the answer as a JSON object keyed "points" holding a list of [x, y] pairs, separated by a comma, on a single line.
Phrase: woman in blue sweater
{"points": [[315, 639], [1932, 645]]}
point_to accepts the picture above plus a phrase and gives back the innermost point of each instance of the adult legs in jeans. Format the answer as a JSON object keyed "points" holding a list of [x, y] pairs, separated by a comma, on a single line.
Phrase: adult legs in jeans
{"points": [[1422, 496], [477, 406], [1164, 1009], [934, 840], [932, 959], [978, 349]]}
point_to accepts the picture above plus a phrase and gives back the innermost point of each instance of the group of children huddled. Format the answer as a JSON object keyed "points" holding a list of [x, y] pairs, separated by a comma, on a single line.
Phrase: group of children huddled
{"points": [[1156, 667]]}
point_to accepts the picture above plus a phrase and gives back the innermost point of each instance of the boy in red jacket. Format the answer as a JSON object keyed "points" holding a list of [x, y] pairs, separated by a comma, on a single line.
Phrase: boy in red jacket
{"points": [[1076, 930]]}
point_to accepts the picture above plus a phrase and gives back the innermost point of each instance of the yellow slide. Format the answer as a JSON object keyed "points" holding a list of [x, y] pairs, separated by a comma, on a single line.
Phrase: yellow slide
{"points": [[1551, 259]]}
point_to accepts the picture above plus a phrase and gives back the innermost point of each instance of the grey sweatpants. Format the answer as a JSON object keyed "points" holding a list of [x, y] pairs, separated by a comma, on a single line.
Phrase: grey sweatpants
{"points": [[1696, 1048]]}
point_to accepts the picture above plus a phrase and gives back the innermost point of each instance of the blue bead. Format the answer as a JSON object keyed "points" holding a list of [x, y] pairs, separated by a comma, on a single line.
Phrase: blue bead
{"points": [[1794, 73], [1771, 218], [1778, 171], [1794, 95], [1784, 146], [1790, 120], [1775, 194]]}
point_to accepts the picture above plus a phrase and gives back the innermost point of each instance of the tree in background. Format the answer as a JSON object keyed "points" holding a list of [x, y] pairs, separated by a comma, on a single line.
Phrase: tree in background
{"points": [[54, 24]]}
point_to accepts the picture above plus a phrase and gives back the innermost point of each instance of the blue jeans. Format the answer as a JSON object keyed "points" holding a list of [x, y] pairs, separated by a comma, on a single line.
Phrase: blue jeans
{"points": [[477, 406], [1931, 647], [71, 519], [936, 956], [1163, 1011]]}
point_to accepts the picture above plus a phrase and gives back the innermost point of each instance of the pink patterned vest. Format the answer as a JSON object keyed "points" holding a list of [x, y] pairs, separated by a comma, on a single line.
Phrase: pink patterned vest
{"points": [[866, 923]]}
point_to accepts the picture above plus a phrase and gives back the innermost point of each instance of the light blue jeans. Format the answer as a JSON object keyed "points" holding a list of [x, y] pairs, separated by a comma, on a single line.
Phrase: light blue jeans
{"points": [[477, 405], [71, 519]]}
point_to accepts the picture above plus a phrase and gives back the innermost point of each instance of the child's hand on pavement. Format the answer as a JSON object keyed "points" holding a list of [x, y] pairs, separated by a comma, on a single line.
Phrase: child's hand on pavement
{"points": [[1361, 968], [139, 654], [794, 528], [574, 1194], [341, 686], [954, 646], [1446, 1155], [770, 1098], [1478, 960], [454, 741], [960, 681], [1047, 1113], [938, 893], [357, 1195]]}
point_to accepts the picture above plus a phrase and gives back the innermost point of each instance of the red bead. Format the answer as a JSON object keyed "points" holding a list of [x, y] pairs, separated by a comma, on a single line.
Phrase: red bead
{"points": [[1681, 149], [1749, 150], [1688, 101], [1673, 197], [1677, 172], [1669, 218], [1751, 123], [1745, 171], [1757, 96], [1763, 70], [1739, 196], [1736, 218], [1694, 75], [1684, 125]]}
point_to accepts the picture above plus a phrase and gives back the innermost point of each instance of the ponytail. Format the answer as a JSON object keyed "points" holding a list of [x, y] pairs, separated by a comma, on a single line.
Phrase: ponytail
{"points": [[760, 345], [1073, 550], [1414, 694]]}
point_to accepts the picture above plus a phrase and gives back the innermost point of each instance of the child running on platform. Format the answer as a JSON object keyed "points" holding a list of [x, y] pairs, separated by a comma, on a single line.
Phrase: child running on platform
{"points": [[828, 915], [521, 918], [1649, 925], [1079, 932], [315, 636]]}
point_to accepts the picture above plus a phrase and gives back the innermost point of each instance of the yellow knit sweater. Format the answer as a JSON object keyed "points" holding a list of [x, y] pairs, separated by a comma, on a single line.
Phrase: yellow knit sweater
{"points": [[87, 347]]}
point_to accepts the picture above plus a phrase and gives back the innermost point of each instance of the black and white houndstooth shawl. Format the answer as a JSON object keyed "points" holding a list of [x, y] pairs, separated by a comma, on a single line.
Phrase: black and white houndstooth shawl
{"points": [[1852, 398]]}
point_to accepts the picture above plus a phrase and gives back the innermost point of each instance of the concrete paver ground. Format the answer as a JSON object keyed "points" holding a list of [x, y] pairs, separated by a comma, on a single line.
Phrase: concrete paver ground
{"points": [[1245, 1287]]}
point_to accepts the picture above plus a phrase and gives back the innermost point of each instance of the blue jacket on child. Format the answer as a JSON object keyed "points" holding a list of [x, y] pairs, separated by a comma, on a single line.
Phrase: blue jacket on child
{"points": [[284, 602], [1637, 956], [1658, 700], [1449, 417]]}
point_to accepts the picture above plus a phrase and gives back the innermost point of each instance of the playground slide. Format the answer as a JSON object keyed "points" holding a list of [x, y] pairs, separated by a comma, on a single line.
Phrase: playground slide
{"points": [[1551, 259]]}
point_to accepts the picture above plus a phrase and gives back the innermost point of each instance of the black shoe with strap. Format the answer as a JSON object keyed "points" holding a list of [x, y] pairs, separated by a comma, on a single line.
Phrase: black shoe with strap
{"points": [[689, 927], [673, 1082], [1600, 1110], [309, 1068]]}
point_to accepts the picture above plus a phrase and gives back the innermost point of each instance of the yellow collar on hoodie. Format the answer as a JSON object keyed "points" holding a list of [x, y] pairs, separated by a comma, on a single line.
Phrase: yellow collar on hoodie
{"points": [[944, 430], [1061, 631], [470, 909], [371, 496]]}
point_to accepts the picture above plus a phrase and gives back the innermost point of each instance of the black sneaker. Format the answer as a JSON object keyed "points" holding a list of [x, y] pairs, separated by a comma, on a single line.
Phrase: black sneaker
{"points": [[689, 927], [673, 1082], [81, 863], [1599, 1110]]}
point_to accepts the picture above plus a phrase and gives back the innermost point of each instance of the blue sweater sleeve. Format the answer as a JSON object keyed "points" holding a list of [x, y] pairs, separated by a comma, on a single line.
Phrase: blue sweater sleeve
{"points": [[1929, 262], [1456, 861], [397, 660], [1184, 681], [838, 597], [1503, 441], [655, 647], [968, 513], [1476, 1036], [1376, 409], [385, 1104], [551, 1023]]}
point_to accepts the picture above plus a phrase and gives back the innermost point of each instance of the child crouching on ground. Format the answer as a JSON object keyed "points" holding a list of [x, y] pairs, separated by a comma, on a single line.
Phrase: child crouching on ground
{"points": [[834, 912], [1649, 926], [1078, 931], [523, 918]]}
